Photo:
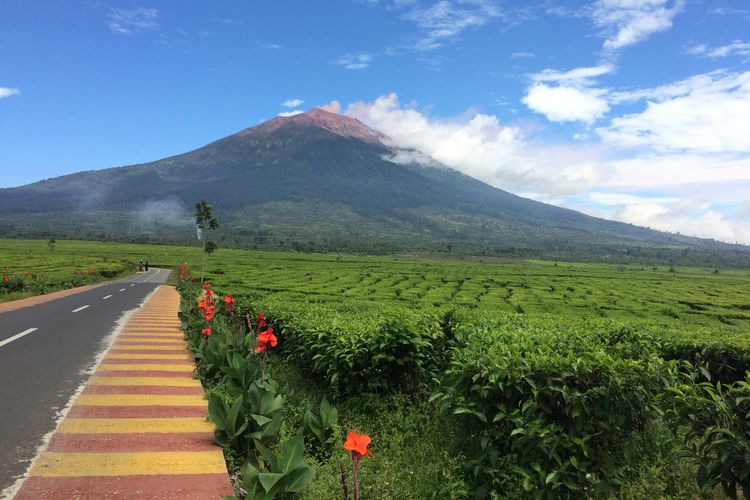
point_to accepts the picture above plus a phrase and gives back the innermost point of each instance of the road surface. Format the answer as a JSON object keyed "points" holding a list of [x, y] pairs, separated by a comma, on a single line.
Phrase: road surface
{"points": [[46, 352]]}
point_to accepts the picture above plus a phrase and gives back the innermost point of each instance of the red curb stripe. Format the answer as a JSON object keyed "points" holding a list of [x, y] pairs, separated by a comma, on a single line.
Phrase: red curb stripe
{"points": [[142, 373], [83, 411], [90, 443], [176, 343], [177, 486], [142, 389], [150, 335]]}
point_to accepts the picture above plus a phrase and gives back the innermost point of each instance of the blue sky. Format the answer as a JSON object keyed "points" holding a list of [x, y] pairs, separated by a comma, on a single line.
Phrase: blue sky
{"points": [[636, 110]]}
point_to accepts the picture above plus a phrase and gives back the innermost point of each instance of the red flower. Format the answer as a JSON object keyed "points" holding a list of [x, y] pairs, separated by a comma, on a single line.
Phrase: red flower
{"points": [[357, 444], [203, 304], [230, 302], [209, 293], [261, 320], [206, 285], [265, 338], [182, 276], [206, 332]]}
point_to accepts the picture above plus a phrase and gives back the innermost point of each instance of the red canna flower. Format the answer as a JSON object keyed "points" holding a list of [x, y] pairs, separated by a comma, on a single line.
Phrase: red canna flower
{"points": [[203, 304], [261, 321], [182, 276], [206, 285], [266, 338], [357, 444], [206, 332], [209, 293], [230, 302]]}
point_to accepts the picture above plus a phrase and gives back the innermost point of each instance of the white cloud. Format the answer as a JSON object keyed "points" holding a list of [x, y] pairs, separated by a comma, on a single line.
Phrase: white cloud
{"points": [[626, 22], [128, 22], [578, 77], [580, 176], [738, 47], [691, 216], [705, 114], [480, 146], [522, 55], [447, 19], [7, 92], [573, 99], [293, 103], [291, 113], [564, 104], [274, 46], [360, 60]]}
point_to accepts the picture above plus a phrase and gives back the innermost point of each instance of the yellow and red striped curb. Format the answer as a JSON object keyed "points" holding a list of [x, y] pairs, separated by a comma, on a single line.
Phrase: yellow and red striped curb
{"points": [[139, 428]]}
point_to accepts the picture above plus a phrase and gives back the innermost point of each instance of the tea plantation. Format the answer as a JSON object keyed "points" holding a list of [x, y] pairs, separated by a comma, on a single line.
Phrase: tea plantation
{"points": [[474, 379]]}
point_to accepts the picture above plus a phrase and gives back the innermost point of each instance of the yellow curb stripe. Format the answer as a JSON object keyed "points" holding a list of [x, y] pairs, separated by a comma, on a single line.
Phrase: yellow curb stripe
{"points": [[161, 337], [134, 425], [115, 355], [128, 463], [141, 347], [140, 400], [150, 341], [147, 367], [145, 381]]}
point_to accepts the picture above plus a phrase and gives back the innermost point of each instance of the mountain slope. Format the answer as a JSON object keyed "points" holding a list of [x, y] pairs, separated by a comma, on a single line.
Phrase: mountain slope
{"points": [[316, 180]]}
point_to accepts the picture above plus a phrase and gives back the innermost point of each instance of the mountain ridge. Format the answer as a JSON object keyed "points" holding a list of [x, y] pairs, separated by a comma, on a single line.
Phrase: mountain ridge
{"points": [[320, 181]]}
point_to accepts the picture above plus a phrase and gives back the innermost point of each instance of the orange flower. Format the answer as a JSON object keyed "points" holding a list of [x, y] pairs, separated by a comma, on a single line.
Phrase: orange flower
{"points": [[261, 320], [264, 339], [357, 444], [206, 285], [230, 302], [206, 332]]}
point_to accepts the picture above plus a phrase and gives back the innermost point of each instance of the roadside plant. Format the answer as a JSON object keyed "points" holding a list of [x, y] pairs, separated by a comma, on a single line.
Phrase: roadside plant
{"points": [[277, 473], [321, 424], [265, 339], [357, 445]]}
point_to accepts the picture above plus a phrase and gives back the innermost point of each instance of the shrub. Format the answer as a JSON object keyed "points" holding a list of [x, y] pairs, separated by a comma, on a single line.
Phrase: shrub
{"points": [[550, 405], [717, 419]]}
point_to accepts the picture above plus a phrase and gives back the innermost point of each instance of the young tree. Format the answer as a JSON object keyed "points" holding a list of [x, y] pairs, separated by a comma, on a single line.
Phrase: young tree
{"points": [[205, 221]]}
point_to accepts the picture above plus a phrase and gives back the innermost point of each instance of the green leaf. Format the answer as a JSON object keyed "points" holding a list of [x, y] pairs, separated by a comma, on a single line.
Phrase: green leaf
{"points": [[261, 420], [269, 479]]}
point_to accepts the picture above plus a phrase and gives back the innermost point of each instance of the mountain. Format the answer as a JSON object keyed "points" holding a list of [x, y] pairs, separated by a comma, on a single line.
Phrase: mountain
{"points": [[323, 181]]}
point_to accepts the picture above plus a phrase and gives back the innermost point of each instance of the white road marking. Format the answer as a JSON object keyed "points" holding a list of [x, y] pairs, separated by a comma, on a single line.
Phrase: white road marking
{"points": [[80, 308], [122, 289], [17, 336], [106, 297], [133, 284]]}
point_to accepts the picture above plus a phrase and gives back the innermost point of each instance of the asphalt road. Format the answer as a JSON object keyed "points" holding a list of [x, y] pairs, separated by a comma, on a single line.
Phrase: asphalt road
{"points": [[45, 353]]}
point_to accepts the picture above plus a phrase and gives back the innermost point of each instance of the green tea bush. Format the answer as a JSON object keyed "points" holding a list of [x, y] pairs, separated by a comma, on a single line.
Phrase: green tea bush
{"points": [[550, 405], [725, 360], [361, 348], [717, 419]]}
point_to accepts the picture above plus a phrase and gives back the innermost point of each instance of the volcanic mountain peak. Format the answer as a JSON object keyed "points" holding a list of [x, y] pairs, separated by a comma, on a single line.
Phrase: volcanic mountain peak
{"points": [[344, 126]]}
